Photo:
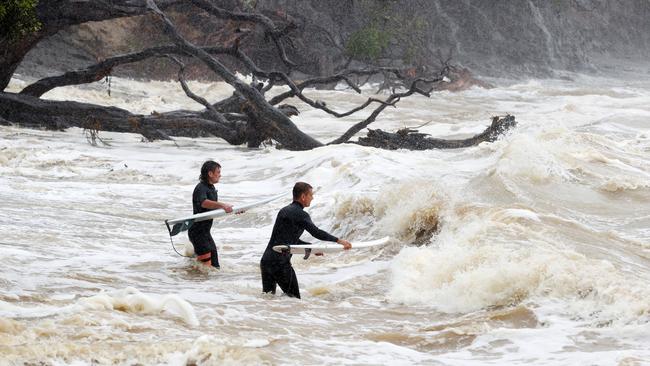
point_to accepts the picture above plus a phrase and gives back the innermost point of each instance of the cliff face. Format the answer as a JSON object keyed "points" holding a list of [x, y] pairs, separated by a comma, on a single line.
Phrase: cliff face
{"points": [[528, 36], [496, 37], [500, 37]]}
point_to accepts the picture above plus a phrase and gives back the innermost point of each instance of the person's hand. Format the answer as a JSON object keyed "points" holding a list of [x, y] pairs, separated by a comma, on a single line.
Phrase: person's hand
{"points": [[346, 244], [227, 208], [319, 254]]}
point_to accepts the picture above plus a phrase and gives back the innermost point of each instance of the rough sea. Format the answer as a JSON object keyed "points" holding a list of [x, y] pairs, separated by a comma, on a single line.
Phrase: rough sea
{"points": [[532, 250]]}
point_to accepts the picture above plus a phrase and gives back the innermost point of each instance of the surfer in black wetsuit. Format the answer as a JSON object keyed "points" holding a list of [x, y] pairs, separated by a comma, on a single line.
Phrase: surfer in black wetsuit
{"points": [[204, 199], [290, 223]]}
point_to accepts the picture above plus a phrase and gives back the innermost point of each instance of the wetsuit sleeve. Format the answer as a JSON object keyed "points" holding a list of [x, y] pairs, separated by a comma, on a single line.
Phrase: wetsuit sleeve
{"points": [[200, 195], [303, 242], [316, 232]]}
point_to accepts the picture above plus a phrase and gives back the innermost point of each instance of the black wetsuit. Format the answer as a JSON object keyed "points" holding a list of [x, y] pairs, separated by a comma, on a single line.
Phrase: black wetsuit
{"points": [[276, 267], [199, 232]]}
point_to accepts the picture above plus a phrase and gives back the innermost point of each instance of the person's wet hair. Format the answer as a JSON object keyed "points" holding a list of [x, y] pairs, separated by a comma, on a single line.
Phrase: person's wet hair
{"points": [[207, 167], [300, 188]]}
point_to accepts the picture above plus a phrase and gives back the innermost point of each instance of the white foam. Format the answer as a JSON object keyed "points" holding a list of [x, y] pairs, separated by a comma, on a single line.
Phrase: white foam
{"points": [[489, 260], [129, 300], [133, 301]]}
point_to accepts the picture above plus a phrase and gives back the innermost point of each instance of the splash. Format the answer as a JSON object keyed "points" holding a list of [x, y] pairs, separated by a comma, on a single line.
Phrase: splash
{"points": [[409, 211], [208, 350], [133, 301], [493, 258]]}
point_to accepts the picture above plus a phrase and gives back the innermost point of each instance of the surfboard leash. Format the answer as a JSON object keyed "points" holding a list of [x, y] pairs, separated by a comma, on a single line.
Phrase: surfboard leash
{"points": [[171, 240]]}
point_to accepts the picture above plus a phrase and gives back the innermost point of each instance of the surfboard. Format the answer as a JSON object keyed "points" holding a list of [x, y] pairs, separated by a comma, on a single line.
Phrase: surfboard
{"points": [[175, 226], [329, 247]]}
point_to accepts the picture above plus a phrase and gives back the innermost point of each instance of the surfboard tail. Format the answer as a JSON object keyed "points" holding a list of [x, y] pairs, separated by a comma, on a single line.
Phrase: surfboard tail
{"points": [[178, 227]]}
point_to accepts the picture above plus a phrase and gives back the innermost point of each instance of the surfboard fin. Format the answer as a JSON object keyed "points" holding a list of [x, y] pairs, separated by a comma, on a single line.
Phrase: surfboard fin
{"points": [[307, 253], [177, 228]]}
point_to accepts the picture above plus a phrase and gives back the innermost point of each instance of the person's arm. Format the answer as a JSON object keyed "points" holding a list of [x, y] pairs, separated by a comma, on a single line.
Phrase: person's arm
{"points": [[323, 235], [213, 205]]}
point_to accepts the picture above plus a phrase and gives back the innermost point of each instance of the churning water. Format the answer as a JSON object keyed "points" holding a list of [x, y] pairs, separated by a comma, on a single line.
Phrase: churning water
{"points": [[534, 249]]}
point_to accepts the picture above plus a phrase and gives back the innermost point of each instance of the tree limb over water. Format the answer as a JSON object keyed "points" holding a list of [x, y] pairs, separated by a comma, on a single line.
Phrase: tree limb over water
{"points": [[248, 116]]}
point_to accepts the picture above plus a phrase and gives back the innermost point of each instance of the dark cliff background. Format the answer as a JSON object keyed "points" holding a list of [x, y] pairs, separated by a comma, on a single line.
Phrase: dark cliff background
{"points": [[512, 38]]}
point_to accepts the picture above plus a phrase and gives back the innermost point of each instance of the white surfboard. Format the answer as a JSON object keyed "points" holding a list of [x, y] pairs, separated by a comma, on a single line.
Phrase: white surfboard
{"points": [[175, 226], [329, 247]]}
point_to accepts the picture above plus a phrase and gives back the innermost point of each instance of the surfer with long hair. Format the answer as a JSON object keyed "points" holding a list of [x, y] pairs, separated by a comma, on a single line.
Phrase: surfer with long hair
{"points": [[206, 198]]}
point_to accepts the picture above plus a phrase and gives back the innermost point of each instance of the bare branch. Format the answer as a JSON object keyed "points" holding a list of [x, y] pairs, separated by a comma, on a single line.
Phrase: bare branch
{"points": [[322, 106], [90, 74], [104, 68], [271, 30], [330, 38], [213, 112], [391, 100], [331, 79]]}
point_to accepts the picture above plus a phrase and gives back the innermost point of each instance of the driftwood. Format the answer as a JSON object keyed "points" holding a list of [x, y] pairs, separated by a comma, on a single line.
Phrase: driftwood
{"points": [[413, 140]]}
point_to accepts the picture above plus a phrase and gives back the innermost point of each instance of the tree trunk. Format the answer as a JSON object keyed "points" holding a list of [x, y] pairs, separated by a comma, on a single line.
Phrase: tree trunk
{"points": [[55, 15], [13, 55]]}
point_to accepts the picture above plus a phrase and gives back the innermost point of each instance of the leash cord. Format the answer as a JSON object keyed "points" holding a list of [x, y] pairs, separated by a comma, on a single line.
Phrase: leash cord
{"points": [[172, 241]]}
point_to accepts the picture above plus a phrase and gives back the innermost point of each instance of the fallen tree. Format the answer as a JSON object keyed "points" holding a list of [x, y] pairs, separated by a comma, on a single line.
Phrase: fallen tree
{"points": [[248, 116], [411, 139], [59, 115]]}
